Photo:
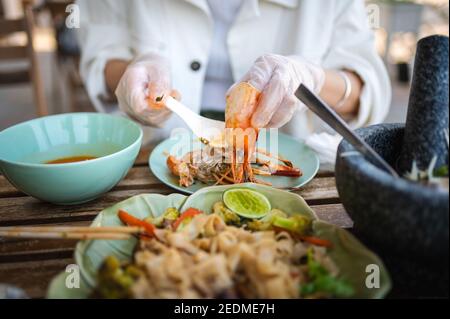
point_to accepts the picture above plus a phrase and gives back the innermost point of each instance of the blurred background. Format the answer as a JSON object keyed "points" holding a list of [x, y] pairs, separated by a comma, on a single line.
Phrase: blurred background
{"points": [[39, 54]]}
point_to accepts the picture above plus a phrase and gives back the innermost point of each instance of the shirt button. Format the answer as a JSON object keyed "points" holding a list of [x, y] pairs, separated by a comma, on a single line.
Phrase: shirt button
{"points": [[195, 66]]}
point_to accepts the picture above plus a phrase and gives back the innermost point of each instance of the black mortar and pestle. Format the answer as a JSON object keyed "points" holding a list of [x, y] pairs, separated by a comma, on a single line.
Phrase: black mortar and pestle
{"points": [[406, 222]]}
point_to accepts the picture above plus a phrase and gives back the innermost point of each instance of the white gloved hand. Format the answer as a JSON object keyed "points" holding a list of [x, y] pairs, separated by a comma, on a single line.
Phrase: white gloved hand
{"points": [[278, 77], [141, 88]]}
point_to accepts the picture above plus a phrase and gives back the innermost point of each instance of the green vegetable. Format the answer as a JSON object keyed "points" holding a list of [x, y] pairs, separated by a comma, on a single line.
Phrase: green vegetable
{"points": [[115, 279], [322, 282], [229, 217], [265, 223], [297, 223], [168, 217], [171, 213], [111, 264], [246, 202], [441, 171]]}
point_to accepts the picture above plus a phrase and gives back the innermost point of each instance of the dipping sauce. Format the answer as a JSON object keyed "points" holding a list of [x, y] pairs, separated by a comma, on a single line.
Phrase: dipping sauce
{"points": [[72, 159]]}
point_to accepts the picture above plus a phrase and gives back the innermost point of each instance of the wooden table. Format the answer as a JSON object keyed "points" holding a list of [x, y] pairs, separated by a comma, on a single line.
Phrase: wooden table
{"points": [[30, 264]]}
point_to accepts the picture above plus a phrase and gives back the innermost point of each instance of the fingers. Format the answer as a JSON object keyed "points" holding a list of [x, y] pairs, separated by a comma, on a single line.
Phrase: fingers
{"points": [[277, 77], [155, 112], [269, 74], [271, 98], [156, 94], [136, 99], [285, 112], [158, 83], [156, 91], [154, 117], [130, 91], [143, 110], [260, 73], [141, 91], [176, 95]]}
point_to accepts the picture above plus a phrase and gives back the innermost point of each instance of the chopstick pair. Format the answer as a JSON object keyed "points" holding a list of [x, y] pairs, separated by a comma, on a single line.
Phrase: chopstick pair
{"points": [[71, 232]]}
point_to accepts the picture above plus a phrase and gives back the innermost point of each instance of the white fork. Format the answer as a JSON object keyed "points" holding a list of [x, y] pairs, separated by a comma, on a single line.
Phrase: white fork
{"points": [[200, 126]]}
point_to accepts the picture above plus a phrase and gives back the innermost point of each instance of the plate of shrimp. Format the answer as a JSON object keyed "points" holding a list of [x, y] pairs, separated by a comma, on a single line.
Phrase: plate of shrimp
{"points": [[240, 154]]}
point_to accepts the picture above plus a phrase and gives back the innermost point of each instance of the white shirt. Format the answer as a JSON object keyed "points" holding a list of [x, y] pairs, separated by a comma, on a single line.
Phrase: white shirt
{"points": [[332, 33], [219, 76]]}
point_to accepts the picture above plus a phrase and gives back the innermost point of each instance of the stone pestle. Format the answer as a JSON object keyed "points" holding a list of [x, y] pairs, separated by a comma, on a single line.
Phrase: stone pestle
{"points": [[428, 109]]}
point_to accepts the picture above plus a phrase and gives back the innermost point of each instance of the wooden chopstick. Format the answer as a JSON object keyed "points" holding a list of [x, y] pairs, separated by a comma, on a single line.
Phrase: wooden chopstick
{"points": [[56, 235], [69, 232], [76, 229]]}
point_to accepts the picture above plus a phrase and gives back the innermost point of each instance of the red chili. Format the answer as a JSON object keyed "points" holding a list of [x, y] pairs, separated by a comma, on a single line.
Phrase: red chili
{"points": [[317, 241], [309, 239], [130, 220], [188, 213]]}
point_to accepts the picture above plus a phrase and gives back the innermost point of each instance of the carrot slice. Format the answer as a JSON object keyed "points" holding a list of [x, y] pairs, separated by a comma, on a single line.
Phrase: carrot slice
{"points": [[130, 220]]}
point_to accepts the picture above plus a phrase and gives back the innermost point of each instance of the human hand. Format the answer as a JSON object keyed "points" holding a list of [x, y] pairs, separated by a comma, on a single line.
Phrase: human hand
{"points": [[143, 86], [278, 77]]}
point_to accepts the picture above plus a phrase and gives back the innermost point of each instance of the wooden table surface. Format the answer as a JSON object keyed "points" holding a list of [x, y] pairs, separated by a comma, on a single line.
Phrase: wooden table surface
{"points": [[30, 264]]}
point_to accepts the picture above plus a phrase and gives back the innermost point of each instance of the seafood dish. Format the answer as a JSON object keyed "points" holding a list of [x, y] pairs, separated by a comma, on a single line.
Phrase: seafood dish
{"points": [[232, 157], [242, 248], [198, 165]]}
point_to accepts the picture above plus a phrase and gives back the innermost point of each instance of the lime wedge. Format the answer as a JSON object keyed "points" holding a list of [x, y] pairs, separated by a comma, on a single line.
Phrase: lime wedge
{"points": [[246, 203]]}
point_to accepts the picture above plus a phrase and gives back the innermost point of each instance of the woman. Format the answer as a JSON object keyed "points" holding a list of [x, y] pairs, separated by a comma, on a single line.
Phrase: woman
{"points": [[196, 49]]}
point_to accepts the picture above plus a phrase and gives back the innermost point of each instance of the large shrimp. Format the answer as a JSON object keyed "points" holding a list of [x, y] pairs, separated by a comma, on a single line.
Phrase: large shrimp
{"points": [[240, 139], [241, 104]]}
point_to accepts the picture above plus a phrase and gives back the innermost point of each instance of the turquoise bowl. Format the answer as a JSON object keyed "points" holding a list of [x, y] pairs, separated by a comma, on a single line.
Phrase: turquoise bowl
{"points": [[25, 148]]}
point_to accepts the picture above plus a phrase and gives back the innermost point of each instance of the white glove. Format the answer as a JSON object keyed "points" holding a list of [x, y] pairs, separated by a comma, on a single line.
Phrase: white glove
{"points": [[278, 77], [141, 89]]}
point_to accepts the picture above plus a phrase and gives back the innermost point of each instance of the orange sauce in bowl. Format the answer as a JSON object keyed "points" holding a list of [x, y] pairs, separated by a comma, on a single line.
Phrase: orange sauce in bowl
{"points": [[72, 159]]}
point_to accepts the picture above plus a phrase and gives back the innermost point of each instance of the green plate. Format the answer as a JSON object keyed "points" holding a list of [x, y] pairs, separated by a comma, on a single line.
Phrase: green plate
{"points": [[350, 255], [178, 145]]}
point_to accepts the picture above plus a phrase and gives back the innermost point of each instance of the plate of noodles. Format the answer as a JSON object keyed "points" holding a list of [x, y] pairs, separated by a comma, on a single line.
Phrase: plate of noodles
{"points": [[232, 241], [183, 162]]}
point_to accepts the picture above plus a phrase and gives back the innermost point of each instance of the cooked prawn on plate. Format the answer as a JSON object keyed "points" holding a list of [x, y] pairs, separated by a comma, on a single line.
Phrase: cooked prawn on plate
{"points": [[233, 157]]}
